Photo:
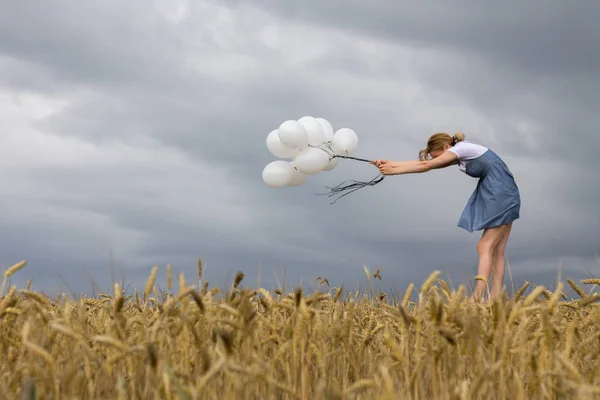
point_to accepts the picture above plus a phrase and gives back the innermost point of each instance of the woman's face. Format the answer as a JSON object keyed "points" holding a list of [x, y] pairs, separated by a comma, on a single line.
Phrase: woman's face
{"points": [[439, 152]]}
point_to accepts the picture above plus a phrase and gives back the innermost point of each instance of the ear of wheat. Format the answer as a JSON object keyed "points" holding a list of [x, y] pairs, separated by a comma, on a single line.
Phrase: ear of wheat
{"points": [[256, 343]]}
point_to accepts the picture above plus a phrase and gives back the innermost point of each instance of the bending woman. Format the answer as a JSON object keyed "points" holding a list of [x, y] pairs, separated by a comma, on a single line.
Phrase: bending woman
{"points": [[492, 207]]}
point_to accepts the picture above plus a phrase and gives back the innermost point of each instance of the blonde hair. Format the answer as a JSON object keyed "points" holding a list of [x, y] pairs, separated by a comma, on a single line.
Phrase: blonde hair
{"points": [[437, 141]]}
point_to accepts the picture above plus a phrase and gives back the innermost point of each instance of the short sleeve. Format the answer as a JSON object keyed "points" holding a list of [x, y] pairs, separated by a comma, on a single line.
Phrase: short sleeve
{"points": [[459, 150], [467, 151]]}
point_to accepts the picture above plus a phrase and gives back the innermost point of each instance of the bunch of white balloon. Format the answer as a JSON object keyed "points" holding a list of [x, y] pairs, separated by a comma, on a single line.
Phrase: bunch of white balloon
{"points": [[312, 146]]}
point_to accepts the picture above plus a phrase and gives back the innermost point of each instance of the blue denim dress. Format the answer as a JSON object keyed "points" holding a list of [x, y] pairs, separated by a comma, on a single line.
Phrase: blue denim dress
{"points": [[496, 200]]}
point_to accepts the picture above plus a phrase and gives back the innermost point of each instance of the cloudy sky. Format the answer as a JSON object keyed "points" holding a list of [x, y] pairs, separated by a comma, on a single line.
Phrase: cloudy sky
{"points": [[139, 127]]}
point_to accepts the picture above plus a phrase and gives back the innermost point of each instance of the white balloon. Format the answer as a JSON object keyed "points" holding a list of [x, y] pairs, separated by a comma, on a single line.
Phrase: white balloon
{"points": [[331, 164], [345, 141], [298, 177], [311, 160], [277, 148], [314, 130], [278, 173], [327, 129], [293, 135]]}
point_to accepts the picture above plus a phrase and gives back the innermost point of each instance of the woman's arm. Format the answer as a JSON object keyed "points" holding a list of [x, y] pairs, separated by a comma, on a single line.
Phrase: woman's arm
{"points": [[415, 166]]}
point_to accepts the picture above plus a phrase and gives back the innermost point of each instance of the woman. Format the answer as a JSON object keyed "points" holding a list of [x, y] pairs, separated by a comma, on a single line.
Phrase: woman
{"points": [[492, 207]]}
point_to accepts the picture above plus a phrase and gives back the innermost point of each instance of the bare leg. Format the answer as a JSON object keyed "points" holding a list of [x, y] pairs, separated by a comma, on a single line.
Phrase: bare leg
{"points": [[485, 248], [498, 263]]}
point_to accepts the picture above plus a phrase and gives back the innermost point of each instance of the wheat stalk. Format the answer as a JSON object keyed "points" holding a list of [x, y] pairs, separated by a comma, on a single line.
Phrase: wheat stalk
{"points": [[9, 272], [169, 277], [200, 266], [255, 343], [150, 282], [591, 281]]}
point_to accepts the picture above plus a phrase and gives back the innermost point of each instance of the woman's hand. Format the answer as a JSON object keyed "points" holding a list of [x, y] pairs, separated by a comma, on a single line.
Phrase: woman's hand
{"points": [[385, 167]]}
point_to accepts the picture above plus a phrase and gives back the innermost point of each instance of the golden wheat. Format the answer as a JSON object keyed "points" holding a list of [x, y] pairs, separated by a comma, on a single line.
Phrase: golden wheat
{"points": [[261, 344]]}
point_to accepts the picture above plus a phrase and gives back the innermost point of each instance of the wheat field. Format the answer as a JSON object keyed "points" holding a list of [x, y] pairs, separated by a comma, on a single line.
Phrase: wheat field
{"points": [[196, 342]]}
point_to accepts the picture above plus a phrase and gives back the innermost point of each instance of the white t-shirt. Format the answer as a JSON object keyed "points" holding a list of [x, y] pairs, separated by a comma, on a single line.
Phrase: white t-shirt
{"points": [[466, 151]]}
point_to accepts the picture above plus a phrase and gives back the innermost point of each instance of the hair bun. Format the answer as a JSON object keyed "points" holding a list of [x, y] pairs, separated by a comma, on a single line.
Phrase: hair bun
{"points": [[458, 137]]}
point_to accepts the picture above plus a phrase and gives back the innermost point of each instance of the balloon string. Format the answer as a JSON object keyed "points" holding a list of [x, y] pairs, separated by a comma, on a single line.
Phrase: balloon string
{"points": [[352, 158], [344, 189], [332, 154]]}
